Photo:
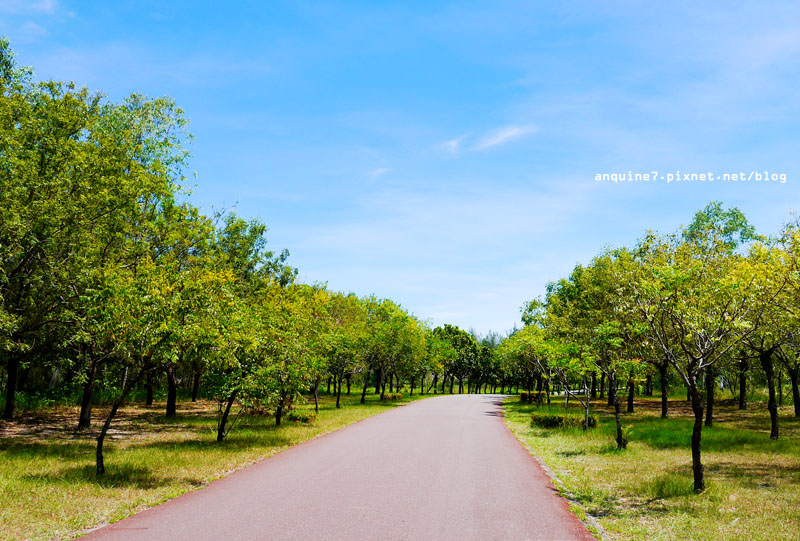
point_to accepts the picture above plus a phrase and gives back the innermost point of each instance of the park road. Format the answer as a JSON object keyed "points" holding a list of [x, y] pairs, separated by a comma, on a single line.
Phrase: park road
{"points": [[442, 468]]}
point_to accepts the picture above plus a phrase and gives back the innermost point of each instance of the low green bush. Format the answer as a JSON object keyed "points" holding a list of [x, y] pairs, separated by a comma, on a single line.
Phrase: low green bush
{"points": [[306, 417], [551, 420]]}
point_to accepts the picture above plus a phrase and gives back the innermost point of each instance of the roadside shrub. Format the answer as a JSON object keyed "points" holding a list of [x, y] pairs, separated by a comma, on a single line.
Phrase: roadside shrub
{"points": [[306, 417], [392, 396], [529, 397], [551, 420]]}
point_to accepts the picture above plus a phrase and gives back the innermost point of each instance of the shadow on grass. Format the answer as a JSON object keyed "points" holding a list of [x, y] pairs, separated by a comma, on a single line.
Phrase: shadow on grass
{"points": [[117, 475]]}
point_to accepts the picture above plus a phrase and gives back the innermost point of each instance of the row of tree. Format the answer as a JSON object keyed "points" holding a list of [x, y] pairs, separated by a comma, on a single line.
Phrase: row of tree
{"points": [[112, 282], [707, 300]]}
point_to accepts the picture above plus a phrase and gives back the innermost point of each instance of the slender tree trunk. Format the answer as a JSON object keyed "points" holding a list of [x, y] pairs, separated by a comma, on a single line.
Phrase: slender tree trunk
{"points": [[337, 387], [195, 384], [398, 387], [594, 385], [452, 383], [348, 384], [793, 376], [316, 395], [172, 391], [12, 369], [743, 366], [148, 382], [648, 385], [697, 432], [329, 385], [85, 417], [279, 410], [364, 387], [435, 381], [413, 383], [612, 390], [622, 442], [379, 383], [780, 386], [662, 372], [765, 357], [383, 390], [100, 465], [711, 383], [391, 383], [223, 420], [422, 384], [602, 385], [631, 392]]}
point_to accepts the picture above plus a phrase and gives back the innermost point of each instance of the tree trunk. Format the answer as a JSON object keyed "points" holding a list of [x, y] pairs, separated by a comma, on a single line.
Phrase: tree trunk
{"points": [[85, 417], [612, 390], [711, 380], [172, 391], [622, 442], [780, 386], [452, 383], [223, 421], [279, 410], [765, 357], [422, 384], [329, 385], [12, 368], [662, 372], [391, 383], [364, 387], [348, 384], [337, 386], [648, 385], [100, 465], [743, 366], [379, 382], [697, 431], [316, 395], [195, 384], [631, 391], [602, 385], [435, 381], [594, 385], [793, 376], [413, 383]]}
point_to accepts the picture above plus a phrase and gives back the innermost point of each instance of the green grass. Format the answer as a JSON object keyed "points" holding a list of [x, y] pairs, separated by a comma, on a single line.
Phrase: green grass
{"points": [[645, 491], [48, 488]]}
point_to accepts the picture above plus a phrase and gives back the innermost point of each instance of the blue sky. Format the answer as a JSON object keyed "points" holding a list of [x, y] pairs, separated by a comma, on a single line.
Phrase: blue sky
{"points": [[443, 154]]}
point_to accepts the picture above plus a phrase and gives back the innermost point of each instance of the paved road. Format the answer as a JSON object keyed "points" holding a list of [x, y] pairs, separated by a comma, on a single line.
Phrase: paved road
{"points": [[442, 468]]}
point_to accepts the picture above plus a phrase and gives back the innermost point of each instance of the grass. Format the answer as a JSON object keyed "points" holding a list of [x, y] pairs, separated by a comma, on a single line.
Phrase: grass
{"points": [[48, 488], [645, 491]]}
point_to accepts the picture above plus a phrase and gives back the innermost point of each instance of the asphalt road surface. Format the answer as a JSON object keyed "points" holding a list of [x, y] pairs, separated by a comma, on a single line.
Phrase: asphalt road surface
{"points": [[442, 468]]}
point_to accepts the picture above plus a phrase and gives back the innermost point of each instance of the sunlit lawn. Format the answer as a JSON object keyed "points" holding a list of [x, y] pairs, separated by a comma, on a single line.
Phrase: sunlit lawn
{"points": [[644, 492], [47, 483]]}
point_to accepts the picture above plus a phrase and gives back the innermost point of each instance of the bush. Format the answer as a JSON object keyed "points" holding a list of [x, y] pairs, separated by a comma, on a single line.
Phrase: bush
{"points": [[550, 420], [528, 398], [392, 396], [301, 417]]}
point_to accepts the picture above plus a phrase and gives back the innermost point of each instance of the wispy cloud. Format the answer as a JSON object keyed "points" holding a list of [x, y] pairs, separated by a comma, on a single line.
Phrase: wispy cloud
{"points": [[378, 172], [504, 135], [16, 7], [453, 145]]}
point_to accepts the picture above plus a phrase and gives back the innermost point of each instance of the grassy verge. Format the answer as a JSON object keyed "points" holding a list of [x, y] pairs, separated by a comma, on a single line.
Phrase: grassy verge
{"points": [[48, 488], [645, 492]]}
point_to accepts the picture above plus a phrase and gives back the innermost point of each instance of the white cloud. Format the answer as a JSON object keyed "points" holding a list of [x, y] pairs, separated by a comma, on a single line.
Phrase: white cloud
{"points": [[453, 145], [15, 7], [503, 135], [380, 171]]}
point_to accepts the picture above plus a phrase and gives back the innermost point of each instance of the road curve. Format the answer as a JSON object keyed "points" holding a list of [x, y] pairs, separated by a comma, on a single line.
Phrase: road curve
{"points": [[442, 468]]}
